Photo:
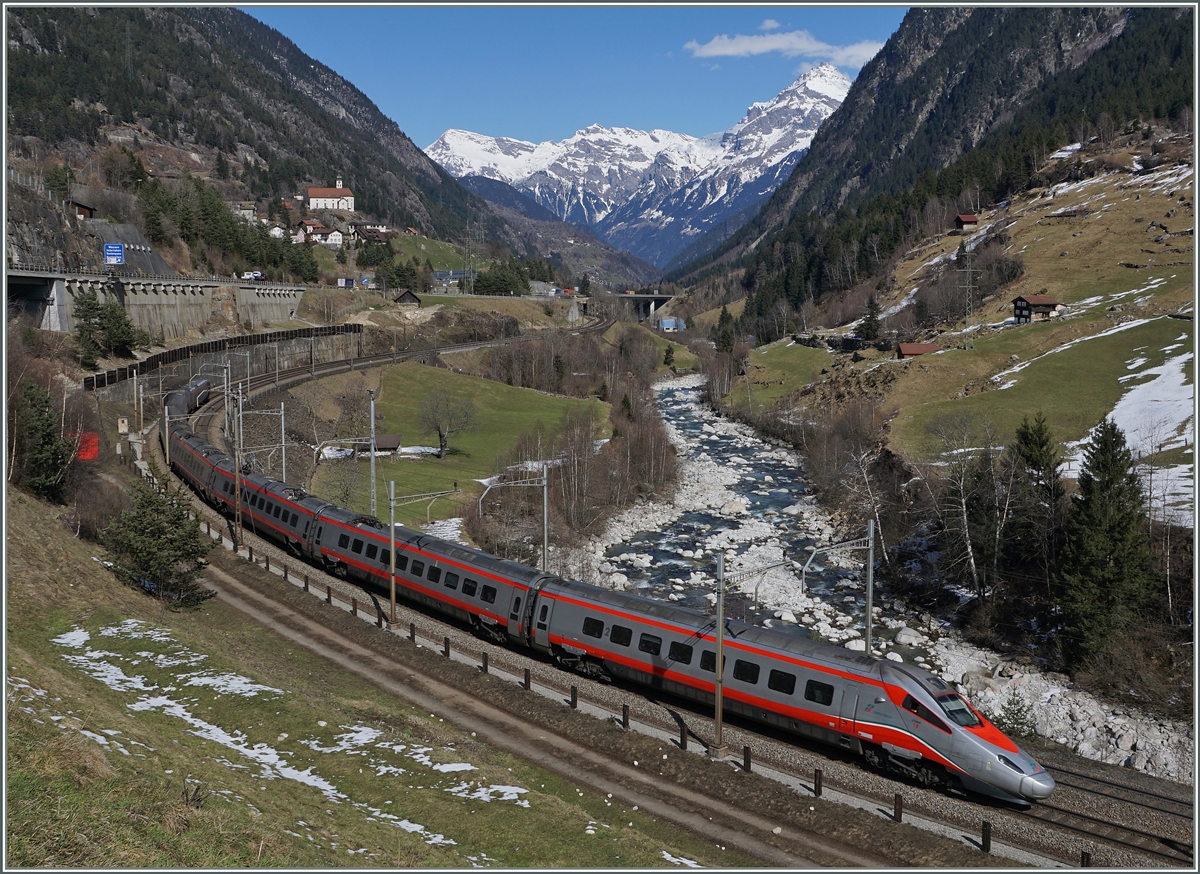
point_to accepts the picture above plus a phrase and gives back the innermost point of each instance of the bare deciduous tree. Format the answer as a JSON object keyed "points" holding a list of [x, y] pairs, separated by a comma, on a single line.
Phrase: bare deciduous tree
{"points": [[443, 414]]}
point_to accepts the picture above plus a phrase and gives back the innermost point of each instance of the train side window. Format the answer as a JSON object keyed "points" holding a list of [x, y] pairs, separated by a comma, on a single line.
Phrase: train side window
{"points": [[708, 661], [385, 557], [225, 486], [488, 595], [295, 519], [650, 643], [372, 550], [680, 652], [620, 635], [516, 609], [745, 671], [818, 693], [451, 581], [357, 547], [434, 575], [469, 587], [781, 681], [401, 562], [320, 530], [913, 705], [275, 512], [418, 568], [542, 615], [343, 541]]}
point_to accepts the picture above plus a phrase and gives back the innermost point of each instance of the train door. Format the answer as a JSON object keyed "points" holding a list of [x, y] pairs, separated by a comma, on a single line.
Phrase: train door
{"points": [[514, 613], [543, 610], [848, 708]]}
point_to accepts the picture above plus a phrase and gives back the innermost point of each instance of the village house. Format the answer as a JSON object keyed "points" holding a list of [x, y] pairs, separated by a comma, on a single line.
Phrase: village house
{"points": [[1043, 307], [965, 221], [331, 198], [912, 350]]}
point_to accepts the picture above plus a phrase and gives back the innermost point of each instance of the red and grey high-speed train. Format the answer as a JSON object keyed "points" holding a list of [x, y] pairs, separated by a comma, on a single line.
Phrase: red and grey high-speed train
{"points": [[899, 718]]}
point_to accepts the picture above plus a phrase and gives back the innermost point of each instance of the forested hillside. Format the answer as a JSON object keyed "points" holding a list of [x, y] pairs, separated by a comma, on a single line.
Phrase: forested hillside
{"points": [[884, 171], [222, 80]]}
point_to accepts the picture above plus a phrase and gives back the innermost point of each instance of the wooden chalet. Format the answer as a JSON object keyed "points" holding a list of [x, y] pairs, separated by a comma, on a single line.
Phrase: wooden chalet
{"points": [[407, 298], [1040, 306], [965, 221]]}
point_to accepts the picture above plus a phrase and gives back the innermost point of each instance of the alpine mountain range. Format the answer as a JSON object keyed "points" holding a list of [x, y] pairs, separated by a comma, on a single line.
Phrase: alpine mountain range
{"points": [[655, 193]]}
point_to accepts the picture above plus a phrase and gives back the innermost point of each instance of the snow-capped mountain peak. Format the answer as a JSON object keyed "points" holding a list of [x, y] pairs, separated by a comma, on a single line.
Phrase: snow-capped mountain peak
{"points": [[653, 192]]}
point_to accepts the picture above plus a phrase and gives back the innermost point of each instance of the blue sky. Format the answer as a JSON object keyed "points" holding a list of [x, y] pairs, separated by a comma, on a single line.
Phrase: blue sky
{"points": [[543, 73]]}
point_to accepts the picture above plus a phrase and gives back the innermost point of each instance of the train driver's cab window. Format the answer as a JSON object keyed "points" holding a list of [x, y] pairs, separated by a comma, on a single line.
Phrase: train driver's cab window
{"points": [[620, 635], [418, 568], [912, 705], [708, 661], [957, 710], [781, 681], [469, 587], [649, 643], [593, 627], [488, 595], [680, 653], [745, 671], [818, 693]]}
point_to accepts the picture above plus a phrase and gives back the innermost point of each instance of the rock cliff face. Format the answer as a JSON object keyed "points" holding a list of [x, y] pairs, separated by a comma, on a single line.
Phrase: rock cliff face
{"points": [[40, 235]]}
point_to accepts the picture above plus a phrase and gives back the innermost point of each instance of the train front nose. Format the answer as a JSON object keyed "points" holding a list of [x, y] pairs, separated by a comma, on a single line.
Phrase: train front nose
{"points": [[1037, 786]]}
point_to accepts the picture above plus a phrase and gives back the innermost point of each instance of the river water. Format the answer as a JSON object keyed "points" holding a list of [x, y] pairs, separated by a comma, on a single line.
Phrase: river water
{"points": [[758, 509]]}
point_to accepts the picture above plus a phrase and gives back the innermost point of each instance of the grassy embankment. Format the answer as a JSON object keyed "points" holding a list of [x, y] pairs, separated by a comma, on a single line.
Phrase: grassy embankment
{"points": [[504, 413], [96, 769], [1081, 259]]}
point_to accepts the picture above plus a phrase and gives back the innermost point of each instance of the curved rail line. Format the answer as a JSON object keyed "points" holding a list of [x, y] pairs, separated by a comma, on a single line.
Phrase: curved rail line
{"points": [[1157, 846], [1125, 793]]}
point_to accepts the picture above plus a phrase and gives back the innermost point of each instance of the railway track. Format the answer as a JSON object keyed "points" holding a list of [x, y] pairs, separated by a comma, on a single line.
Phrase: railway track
{"points": [[1172, 848], [1165, 823]]}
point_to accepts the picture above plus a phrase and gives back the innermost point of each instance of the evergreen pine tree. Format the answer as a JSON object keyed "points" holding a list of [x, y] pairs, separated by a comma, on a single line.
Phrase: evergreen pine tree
{"points": [[40, 453], [869, 328], [1038, 507], [157, 546], [86, 314], [1105, 575], [669, 356]]}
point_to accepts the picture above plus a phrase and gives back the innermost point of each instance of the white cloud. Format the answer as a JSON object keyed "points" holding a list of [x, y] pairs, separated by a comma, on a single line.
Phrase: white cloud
{"points": [[769, 24], [791, 44]]}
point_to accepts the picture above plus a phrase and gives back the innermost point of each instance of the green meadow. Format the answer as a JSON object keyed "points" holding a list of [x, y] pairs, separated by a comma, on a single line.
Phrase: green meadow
{"points": [[504, 413]]}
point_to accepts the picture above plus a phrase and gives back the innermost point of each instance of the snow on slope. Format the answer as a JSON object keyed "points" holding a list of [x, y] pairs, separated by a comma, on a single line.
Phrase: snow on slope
{"points": [[652, 192]]}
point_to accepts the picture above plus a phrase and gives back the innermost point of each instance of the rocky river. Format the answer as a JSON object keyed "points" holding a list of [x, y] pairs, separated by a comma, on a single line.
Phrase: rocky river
{"points": [[744, 495]]}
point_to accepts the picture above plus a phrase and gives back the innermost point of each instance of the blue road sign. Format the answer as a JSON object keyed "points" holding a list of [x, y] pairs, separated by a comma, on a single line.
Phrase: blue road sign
{"points": [[114, 253]]}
